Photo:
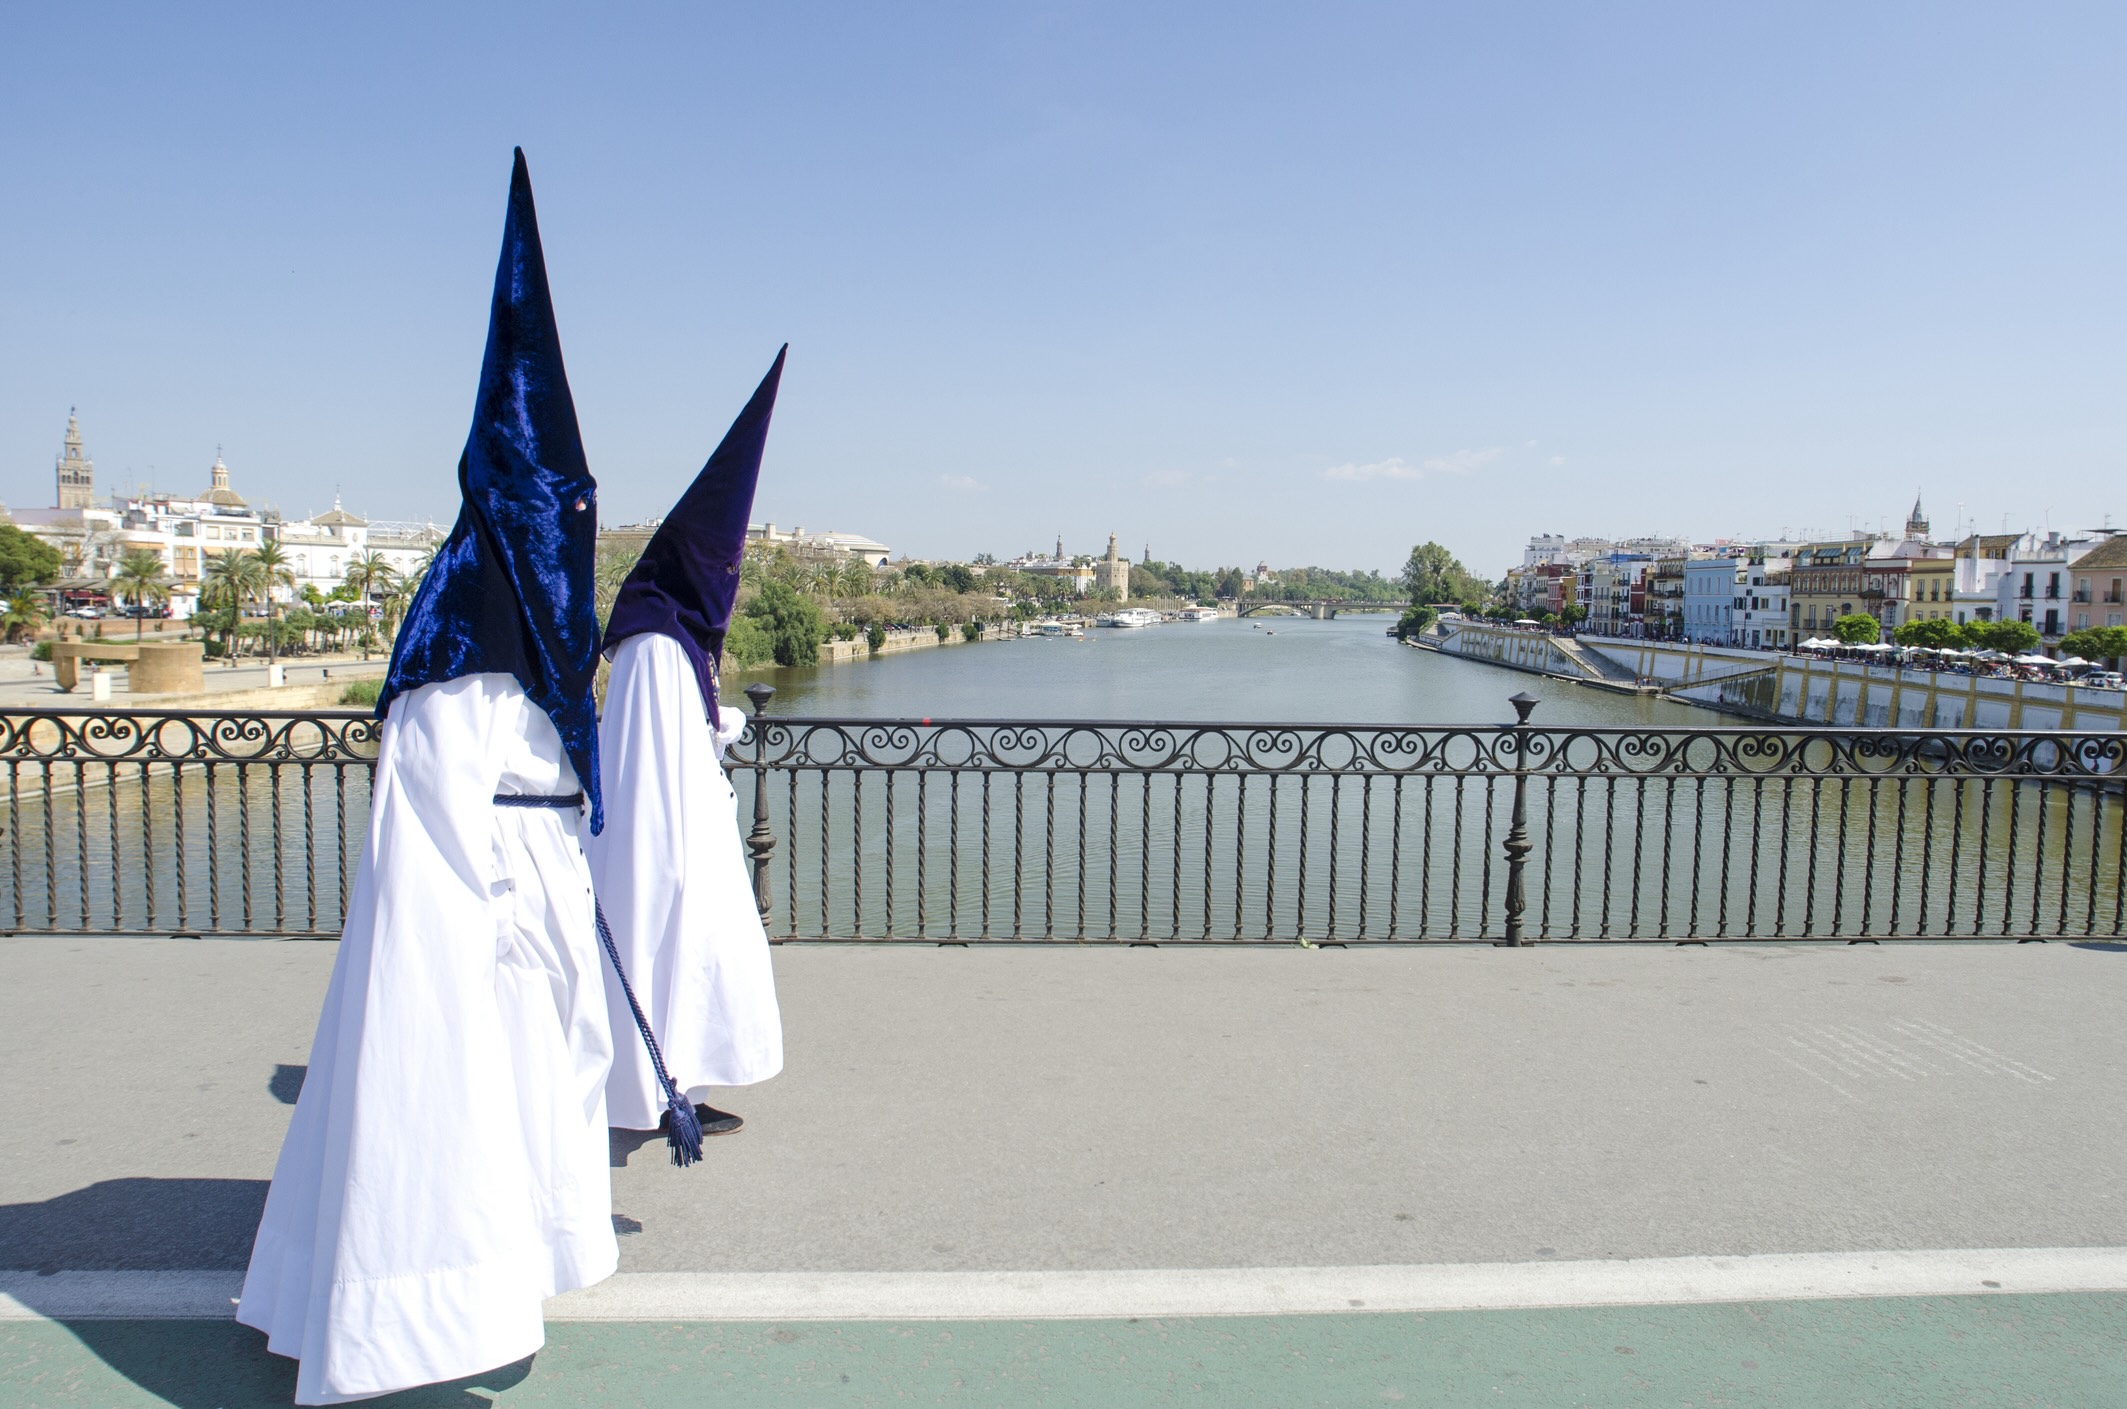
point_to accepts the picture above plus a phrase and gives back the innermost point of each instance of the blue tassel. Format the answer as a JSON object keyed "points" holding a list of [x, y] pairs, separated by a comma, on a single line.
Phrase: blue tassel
{"points": [[683, 1130]]}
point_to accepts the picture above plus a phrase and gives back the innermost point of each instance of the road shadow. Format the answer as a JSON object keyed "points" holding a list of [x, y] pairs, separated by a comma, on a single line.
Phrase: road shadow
{"points": [[168, 1225], [221, 1365], [286, 1083], [622, 1143], [135, 1225]]}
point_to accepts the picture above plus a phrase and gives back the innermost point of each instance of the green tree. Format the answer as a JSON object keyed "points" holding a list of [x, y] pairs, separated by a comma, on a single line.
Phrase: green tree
{"points": [[370, 574], [1857, 629], [792, 621], [1935, 635], [1432, 575], [2106, 643], [856, 579], [270, 560], [747, 642], [141, 581], [2008, 637], [230, 580], [1573, 613], [25, 560], [875, 637], [23, 613], [957, 577], [1416, 620], [920, 575]]}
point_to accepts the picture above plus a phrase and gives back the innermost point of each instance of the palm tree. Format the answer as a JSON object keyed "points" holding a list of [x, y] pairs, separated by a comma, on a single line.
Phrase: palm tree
{"points": [[369, 573], [23, 614], [230, 580], [396, 603], [141, 580], [270, 561], [856, 578], [609, 573]]}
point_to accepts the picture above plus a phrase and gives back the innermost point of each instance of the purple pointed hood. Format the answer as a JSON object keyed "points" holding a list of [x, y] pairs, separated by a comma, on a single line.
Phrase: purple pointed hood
{"points": [[688, 577]]}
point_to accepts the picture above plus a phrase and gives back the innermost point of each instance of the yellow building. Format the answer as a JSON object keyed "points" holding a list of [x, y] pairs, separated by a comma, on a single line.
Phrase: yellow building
{"points": [[1932, 587], [1825, 584]]}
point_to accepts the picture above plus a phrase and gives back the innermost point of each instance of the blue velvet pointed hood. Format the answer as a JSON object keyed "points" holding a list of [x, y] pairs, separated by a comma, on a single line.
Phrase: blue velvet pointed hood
{"points": [[511, 587], [688, 577]]}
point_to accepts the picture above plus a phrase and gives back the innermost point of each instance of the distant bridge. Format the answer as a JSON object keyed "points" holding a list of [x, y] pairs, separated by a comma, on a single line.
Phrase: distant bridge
{"points": [[1320, 611]]}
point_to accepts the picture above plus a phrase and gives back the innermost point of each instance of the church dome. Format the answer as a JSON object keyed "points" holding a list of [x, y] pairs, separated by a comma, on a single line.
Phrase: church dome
{"points": [[219, 494]]}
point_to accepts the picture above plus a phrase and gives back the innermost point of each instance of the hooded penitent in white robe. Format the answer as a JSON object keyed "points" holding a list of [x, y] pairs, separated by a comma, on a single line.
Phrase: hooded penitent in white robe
{"points": [[673, 879], [446, 1166]]}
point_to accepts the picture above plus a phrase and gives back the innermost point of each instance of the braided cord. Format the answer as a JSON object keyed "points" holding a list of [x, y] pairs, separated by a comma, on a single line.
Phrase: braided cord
{"points": [[685, 1134]]}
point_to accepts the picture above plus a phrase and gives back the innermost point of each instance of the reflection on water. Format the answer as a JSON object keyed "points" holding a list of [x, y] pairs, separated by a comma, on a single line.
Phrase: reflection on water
{"points": [[1272, 669]]}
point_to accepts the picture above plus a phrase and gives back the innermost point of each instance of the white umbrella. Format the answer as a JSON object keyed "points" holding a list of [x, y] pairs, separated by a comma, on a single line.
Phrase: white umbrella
{"points": [[2072, 660], [2033, 658]]}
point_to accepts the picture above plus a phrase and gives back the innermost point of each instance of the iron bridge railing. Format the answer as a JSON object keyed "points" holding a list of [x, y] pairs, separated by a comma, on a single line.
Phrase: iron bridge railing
{"points": [[1161, 833]]}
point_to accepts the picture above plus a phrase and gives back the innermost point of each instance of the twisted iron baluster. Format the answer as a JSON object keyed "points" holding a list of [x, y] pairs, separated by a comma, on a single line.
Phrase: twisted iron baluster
{"points": [[1868, 856], [923, 852], [1270, 868], [1175, 874], [1395, 855], [118, 887], [1979, 856], [81, 835]]}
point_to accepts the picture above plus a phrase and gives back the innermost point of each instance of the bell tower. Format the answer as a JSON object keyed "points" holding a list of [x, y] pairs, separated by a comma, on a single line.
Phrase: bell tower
{"points": [[1916, 523], [76, 473]]}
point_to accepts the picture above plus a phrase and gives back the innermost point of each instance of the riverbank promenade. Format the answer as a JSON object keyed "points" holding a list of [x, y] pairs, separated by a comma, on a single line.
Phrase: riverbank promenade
{"points": [[1799, 1174]]}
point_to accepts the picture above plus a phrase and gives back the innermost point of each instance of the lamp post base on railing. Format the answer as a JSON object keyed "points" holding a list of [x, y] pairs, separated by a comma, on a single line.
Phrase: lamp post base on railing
{"points": [[1517, 844], [761, 840]]}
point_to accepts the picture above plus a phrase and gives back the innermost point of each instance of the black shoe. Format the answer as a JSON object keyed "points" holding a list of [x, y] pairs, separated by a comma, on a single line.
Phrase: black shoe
{"points": [[713, 1121]]}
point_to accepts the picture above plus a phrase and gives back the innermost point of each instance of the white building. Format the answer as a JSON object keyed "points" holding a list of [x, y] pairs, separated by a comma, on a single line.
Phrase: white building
{"points": [[1546, 548], [1761, 612], [1713, 595], [321, 548], [2035, 584], [830, 545]]}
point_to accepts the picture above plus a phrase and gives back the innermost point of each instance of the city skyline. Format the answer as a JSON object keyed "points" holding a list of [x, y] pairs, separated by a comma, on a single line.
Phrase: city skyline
{"points": [[1241, 285]]}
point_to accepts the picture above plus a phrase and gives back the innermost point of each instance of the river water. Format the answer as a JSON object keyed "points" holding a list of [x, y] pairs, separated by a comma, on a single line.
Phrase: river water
{"points": [[1262, 670]]}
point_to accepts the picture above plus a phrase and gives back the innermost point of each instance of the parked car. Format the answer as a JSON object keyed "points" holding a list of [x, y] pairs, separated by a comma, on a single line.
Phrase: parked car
{"points": [[87, 613]]}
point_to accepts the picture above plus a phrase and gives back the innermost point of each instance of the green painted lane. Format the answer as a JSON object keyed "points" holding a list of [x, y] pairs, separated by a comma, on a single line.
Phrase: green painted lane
{"points": [[2067, 1350]]}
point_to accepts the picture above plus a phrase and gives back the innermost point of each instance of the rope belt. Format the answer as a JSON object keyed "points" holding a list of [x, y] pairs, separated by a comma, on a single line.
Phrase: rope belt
{"points": [[683, 1130]]}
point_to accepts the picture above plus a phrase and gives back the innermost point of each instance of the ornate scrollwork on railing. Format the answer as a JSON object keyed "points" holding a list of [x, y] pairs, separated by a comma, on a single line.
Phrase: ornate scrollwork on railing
{"points": [[119, 736], [1685, 752]]}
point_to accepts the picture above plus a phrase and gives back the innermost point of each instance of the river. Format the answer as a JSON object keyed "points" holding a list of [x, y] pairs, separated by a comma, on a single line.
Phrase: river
{"points": [[1266, 669]]}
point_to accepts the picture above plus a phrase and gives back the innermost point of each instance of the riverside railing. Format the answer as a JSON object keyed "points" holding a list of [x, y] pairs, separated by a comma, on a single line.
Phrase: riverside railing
{"points": [[1162, 833]]}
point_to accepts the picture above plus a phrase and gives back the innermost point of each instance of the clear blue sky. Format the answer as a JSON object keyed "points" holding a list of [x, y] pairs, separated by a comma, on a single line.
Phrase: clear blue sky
{"points": [[1304, 282]]}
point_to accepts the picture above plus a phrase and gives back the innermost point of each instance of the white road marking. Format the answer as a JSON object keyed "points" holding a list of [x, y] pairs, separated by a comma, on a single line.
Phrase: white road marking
{"points": [[1225, 1291]]}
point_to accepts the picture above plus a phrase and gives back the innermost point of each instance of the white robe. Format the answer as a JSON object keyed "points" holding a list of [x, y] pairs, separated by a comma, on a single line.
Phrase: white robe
{"points": [[673, 879], [445, 1169]]}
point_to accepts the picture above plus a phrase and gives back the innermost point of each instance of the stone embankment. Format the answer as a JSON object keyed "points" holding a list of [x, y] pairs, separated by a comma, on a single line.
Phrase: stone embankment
{"points": [[1791, 689], [842, 652]]}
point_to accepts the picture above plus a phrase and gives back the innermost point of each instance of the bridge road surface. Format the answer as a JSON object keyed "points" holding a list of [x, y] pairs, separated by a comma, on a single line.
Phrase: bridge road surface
{"points": [[1600, 1175]]}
